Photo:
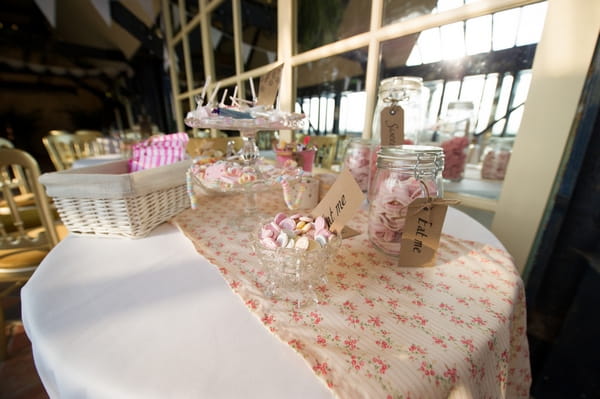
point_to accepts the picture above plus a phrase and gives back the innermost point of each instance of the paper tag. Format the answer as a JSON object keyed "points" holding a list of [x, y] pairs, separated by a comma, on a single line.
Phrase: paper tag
{"points": [[268, 86], [348, 232], [422, 231], [392, 125], [341, 202]]}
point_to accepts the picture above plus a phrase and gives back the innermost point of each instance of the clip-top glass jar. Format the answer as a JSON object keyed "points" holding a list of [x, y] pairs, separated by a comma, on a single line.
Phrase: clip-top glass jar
{"points": [[403, 174], [408, 93], [452, 133], [357, 159], [496, 156]]}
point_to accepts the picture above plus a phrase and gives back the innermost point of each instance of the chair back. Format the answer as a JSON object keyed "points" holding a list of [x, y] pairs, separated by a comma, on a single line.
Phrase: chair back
{"points": [[23, 244], [19, 170], [342, 144], [64, 149], [93, 133], [326, 149], [131, 136], [58, 132], [199, 145]]}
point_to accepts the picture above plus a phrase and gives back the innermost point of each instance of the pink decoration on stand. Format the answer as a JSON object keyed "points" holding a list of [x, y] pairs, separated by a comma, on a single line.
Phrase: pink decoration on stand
{"points": [[306, 159], [283, 156]]}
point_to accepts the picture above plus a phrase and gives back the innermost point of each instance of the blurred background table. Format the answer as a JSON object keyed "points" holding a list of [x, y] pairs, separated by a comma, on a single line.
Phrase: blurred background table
{"points": [[97, 160]]}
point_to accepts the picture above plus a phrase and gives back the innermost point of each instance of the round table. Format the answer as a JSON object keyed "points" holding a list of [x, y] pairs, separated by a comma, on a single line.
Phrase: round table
{"points": [[151, 318]]}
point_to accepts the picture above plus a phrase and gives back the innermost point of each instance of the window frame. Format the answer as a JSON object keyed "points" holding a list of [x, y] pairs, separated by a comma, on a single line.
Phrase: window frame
{"points": [[507, 223]]}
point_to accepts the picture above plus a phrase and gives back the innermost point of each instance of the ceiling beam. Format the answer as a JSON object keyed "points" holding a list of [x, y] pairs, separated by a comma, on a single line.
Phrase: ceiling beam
{"points": [[138, 29]]}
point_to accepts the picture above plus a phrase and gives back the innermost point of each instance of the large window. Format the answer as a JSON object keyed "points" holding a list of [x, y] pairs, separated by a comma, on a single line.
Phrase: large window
{"points": [[372, 35], [485, 60], [482, 54], [337, 51]]}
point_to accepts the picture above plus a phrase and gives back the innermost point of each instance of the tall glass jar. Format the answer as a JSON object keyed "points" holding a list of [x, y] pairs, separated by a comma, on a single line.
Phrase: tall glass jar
{"points": [[408, 93], [357, 159], [453, 136], [403, 174], [496, 156]]}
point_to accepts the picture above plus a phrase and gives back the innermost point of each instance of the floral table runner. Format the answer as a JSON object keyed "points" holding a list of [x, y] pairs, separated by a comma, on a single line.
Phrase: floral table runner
{"points": [[455, 330]]}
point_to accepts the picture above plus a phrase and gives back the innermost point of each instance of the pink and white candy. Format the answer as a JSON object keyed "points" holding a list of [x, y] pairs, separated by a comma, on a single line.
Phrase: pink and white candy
{"points": [[295, 231], [388, 209]]}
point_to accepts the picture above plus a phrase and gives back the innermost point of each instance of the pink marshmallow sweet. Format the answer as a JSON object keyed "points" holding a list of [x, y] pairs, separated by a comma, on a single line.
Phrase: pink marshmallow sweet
{"points": [[224, 174], [388, 209], [296, 231]]}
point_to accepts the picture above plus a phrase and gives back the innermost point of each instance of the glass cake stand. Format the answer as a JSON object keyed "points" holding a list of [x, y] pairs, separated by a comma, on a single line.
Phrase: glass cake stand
{"points": [[249, 157]]}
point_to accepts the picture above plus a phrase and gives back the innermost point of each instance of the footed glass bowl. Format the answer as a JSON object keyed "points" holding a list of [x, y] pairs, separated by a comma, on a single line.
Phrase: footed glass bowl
{"points": [[234, 177], [293, 274]]}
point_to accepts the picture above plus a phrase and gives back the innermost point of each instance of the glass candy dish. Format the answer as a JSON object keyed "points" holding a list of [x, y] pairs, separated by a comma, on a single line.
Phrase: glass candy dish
{"points": [[233, 178], [295, 274], [228, 177]]}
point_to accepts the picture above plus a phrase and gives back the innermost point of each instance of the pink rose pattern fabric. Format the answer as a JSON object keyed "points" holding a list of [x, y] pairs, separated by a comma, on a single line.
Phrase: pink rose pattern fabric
{"points": [[455, 330]]}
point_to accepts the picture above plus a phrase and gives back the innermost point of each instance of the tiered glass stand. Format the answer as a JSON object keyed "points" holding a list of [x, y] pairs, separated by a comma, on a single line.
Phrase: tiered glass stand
{"points": [[248, 157]]}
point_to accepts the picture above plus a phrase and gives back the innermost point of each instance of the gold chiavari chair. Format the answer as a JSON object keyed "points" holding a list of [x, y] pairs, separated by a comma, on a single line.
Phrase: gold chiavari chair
{"points": [[64, 149], [326, 149], [22, 247]]}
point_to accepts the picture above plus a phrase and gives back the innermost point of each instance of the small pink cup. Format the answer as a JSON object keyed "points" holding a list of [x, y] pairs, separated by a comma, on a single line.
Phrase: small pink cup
{"points": [[306, 159]]}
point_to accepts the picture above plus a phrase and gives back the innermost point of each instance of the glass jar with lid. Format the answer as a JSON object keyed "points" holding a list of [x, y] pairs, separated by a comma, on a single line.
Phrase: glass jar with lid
{"points": [[403, 174], [453, 135], [400, 112], [358, 159], [496, 156]]}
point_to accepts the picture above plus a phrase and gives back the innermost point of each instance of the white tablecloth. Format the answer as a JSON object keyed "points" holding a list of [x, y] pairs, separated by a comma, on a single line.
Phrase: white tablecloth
{"points": [[151, 318]]}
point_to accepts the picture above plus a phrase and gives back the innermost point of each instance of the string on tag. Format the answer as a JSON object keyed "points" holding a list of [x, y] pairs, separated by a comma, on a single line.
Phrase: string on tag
{"points": [[430, 201], [394, 106]]}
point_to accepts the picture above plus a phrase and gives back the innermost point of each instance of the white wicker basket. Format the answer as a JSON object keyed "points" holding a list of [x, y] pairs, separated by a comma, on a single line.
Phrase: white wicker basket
{"points": [[106, 200]]}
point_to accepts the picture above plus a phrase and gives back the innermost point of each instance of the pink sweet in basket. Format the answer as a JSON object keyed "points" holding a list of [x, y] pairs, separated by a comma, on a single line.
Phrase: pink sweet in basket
{"points": [[158, 151]]}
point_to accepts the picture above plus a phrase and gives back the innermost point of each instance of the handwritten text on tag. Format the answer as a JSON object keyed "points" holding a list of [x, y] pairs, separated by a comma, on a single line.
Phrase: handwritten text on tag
{"points": [[422, 231], [341, 202], [392, 125]]}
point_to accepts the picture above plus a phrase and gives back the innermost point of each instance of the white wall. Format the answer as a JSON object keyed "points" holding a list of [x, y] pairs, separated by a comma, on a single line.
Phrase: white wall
{"points": [[560, 66]]}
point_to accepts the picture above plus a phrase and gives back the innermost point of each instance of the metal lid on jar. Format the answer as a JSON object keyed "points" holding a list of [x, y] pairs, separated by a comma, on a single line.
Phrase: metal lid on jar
{"points": [[404, 82], [411, 155], [361, 142]]}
